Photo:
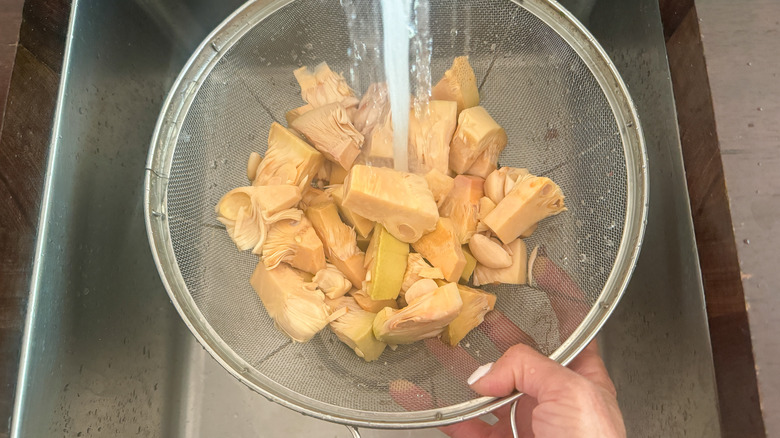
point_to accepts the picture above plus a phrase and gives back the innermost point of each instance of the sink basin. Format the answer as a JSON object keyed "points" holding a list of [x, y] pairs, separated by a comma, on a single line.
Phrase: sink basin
{"points": [[105, 353]]}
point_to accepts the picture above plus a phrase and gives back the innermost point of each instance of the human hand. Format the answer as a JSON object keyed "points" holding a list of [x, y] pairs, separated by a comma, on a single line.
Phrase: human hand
{"points": [[578, 401]]}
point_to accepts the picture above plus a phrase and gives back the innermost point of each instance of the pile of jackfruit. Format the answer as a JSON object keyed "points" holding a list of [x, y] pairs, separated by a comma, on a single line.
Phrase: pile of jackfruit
{"points": [[380, 256]]}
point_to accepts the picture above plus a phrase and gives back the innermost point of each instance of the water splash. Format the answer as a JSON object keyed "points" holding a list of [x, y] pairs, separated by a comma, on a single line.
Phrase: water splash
{"points": [[395, 19]]}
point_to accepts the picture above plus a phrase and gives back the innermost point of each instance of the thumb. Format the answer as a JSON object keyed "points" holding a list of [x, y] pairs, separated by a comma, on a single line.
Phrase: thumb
{"points": [[524, 369]]}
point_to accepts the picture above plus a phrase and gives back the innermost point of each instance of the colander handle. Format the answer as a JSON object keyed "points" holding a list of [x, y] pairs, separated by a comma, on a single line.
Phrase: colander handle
{"points": [[353, 430]]}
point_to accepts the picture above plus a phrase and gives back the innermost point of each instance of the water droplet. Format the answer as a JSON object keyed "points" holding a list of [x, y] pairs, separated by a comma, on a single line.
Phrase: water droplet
{"points": [[213, 164], [749, 63], [81, 110], [583, 258], [746, 241], [612, 225]]}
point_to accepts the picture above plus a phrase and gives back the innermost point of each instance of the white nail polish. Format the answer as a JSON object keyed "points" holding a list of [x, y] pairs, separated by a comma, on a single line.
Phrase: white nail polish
{"points": [[479, 373]]}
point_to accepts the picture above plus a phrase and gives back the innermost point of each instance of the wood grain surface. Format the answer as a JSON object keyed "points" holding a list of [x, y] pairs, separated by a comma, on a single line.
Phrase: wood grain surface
{"points": [[728, 319], [24, 141], [740, 45]]}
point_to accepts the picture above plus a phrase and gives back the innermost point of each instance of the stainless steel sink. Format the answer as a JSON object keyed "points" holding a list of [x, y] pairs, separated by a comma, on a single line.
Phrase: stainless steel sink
{"points": [[105, 353]]}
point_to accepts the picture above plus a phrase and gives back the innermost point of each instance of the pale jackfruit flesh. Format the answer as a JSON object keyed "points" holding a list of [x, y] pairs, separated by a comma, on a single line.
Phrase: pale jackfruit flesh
{"points": [[476, 303], [532, 199], [462, 205], [442, 248], [323, 86], [369, 305], [440, 184], [339, 240], [296, 112], [459, 85], [471, 263], [419, 289], [378, 146], [487, 161], [296, 243], [430, 134], [296, 305], [424, 318], [400, 201], [330, 130], [332, 282], [476, 133], [288, 160], [252, 164], [385, 264], [314, 196], [415, 265], [362, 226], [489, 252], [355, 328], [373, 108], [516, 273]]}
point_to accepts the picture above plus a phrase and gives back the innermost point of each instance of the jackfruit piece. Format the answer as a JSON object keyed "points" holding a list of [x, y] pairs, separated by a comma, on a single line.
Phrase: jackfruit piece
{"points": [[500, 181], [339, 241], [362, 225], [414, 264], [329, 129], [489, 252], [362, 242], [419, 289], [337, 174], [430, 136], [487, 161], [440, 184], [296, 112], [422, 319], [462, 205], [247, 211], [373, 109], [332, 282], [355, 328], [296, 305], [442, 248], [296, 243], [378, 147], [476, 133], [458, 85], [471, 263], [400, 201], [323, 86], [476, 303], [252, 164], [527, 233], [313, 196], [288, 160], [385, 264], [532, 199], [514, 274], [369, 305]]}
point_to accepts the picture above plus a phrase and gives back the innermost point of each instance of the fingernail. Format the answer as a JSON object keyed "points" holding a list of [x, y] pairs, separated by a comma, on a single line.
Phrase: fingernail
{"points": [[479, 373]]}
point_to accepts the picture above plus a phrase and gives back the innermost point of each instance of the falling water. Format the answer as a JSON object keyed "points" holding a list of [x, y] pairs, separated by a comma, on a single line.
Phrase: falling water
{"points": [[395, 19]]}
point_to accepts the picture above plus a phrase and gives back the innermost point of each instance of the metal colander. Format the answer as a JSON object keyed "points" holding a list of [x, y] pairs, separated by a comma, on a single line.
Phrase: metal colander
{"points": [[542, 77]]}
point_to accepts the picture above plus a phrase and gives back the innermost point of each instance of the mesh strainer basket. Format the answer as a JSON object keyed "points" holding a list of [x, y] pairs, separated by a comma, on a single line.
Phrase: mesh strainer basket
{"points": [[542, 77]]}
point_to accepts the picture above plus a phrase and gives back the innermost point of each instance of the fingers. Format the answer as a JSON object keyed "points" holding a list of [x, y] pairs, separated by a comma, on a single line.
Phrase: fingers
{"points": [[528, 371], [410, 396], [590, 365]]}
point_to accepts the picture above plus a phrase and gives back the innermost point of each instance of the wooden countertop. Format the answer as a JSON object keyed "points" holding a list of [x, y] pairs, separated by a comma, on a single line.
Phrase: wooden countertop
{"points": [[724, 64]]}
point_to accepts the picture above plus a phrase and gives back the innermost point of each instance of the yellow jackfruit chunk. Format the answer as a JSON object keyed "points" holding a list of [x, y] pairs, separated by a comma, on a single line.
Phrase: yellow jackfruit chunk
{"points": [[323, 86], [476, 303], [296, 305], [487, 161], [501, 181], [424, 318], [355, 328], [385, 264], [402, 202], [296, 112], [531, 199], [369, 305], [458, 85], [514, 274], [339, 240], [313, 196], [462, 205], [362, 225], [288, 160], [337, 174], [471, 263], [296, 243], [442, 248], [332, 282], [378, 147], [430, 136], [476, 133], [373, 108], [440, 184], [415, 265], [329, 129]]}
